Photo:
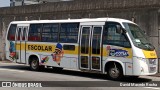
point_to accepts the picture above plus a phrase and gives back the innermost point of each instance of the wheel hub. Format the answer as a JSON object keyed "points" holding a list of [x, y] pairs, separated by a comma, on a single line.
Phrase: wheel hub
{"points": [[34, 64], [114, 72]]}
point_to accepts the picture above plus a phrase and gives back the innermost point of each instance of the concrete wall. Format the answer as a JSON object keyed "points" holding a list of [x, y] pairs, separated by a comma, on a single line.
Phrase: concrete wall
{"points": [[146, 13], [81, 5]]}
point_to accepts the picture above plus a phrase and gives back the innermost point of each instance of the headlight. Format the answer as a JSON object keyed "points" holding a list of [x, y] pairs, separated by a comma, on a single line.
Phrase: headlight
{"points": [[152, 61]]}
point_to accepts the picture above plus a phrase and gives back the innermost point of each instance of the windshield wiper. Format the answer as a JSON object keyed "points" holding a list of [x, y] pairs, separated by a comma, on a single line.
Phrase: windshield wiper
{"points": [[148, 46]]}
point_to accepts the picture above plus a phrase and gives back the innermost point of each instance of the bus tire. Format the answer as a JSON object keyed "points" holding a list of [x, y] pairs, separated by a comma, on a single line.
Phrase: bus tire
{"points": [[34, 64], [114, 72]]}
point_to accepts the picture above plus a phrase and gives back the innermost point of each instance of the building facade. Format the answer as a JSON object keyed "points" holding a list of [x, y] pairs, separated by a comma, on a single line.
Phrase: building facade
{"points": [[29, 2], [22, 2]]}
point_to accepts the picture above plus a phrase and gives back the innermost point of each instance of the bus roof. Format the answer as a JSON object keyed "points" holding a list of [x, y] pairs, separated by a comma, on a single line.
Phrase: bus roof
{"points": [[73, 20]]}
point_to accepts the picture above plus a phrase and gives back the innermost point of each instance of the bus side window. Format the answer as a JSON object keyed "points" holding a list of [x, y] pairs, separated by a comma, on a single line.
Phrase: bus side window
{"points": [[11, 32], [69, 32], [35, 32], [111, 37], [50, 32], [19, 33]]}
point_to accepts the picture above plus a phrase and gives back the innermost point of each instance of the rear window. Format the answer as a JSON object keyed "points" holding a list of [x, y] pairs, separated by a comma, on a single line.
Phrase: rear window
{"points": [[12, 32]]}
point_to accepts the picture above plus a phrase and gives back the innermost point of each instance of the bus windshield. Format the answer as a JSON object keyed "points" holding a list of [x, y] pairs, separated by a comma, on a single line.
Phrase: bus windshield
{"points": [[139, 38]]}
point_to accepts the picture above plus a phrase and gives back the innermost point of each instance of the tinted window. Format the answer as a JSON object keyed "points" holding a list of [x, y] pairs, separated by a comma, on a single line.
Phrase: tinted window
{"points": [[11, 32], [85, 40], [110, 36], [19, 33], [50, 33], [69, 33], [24, 33], [96, 40], [35, 32]]}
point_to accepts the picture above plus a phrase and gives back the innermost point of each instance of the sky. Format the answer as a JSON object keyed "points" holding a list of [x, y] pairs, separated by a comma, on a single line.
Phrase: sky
{"points": [[4, 3]]}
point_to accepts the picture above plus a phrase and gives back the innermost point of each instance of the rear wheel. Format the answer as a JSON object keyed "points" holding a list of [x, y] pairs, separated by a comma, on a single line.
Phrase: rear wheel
{"points": [[115, 72], [34, 64]]}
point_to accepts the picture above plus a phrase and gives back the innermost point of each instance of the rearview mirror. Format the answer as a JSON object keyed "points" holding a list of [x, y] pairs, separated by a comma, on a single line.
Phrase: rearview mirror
{"points": [[119, 29]]}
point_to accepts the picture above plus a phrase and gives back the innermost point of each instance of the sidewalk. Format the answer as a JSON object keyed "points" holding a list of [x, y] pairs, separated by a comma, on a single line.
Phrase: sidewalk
{"points": [[5, 61], [156, 75]]}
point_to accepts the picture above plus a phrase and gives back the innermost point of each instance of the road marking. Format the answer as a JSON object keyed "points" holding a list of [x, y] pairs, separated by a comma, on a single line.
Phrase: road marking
{"points": [[153, 88], [1, 69]]}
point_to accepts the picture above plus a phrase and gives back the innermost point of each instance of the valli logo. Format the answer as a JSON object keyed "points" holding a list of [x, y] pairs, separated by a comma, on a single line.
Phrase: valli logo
{"points": [[118, 53]]}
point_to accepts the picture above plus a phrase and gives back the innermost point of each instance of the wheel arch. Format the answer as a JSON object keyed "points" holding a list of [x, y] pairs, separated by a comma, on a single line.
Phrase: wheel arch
{"points": [[33, 56], [109, 62]]}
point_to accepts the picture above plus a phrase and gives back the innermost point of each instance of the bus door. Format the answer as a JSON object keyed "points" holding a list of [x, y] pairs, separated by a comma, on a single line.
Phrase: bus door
{"points": [[91, 48], [21, 44]]}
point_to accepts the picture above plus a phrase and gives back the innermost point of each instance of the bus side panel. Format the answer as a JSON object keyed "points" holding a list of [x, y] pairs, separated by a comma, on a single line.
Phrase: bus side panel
{"points": [[112, 53], [7, 49], [53, 54], [10, 47]]}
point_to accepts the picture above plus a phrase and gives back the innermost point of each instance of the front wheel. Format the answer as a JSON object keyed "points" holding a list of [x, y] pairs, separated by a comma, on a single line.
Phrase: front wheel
{"points": [[115, 72], [34, 64]]}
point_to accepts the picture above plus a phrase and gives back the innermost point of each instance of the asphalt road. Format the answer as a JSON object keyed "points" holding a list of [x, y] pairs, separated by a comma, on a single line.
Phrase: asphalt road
{"points": [[74, 79]]}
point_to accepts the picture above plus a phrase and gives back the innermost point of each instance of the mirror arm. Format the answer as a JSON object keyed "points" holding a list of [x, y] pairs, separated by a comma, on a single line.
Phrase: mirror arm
{"points": [[124, 30]]}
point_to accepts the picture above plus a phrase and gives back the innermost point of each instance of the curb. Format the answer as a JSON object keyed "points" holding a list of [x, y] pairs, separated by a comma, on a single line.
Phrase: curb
{"points": [[156, 75], [6, 61]]}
